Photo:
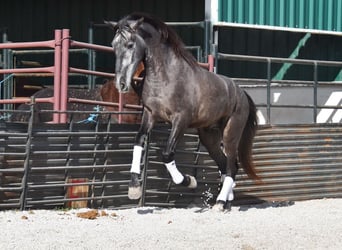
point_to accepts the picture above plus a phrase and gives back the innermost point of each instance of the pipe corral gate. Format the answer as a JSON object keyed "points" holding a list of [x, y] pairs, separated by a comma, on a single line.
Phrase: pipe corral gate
{"points": [[42, 164], [38, 161]]}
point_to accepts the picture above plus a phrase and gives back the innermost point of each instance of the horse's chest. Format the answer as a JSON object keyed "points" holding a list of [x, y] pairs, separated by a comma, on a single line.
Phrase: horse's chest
{"points": [[167, 101], [159, 108]]}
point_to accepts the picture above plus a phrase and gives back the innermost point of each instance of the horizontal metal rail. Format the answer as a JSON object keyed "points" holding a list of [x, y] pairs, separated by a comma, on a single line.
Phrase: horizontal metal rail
{"points": [[279, 28], [269, 82], [80, 167], [28, 70], [24, 45], [42, 51], [27, 100], [91, 46], [187, 24], [277, 60]]}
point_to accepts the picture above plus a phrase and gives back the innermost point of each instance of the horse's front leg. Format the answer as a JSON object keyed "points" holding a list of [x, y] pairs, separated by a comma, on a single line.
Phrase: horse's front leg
{"points": [[177, 130], [134, 187]]}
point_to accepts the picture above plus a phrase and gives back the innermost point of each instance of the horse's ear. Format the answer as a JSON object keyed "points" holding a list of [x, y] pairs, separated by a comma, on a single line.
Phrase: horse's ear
{"points": [[135, 25], [110, 24]]}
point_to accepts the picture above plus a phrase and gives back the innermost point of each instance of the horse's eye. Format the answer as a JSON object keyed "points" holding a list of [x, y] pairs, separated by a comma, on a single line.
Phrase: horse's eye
{"points": [[129, 45]]}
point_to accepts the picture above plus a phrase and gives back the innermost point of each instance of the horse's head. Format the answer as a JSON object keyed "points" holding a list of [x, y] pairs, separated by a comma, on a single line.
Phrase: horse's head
{"points": [[129, 48]]}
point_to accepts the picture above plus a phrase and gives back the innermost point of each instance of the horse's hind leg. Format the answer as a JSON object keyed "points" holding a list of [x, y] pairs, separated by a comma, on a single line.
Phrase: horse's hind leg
{"points": [[211, 138], [231, 137]]}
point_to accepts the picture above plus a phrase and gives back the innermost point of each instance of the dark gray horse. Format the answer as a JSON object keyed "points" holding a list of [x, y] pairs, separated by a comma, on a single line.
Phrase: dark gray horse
{"points": [[178, 91]]}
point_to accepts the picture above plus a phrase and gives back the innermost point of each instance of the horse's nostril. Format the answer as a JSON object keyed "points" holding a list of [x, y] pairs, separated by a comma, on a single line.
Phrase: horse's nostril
{"points": [[122, 86]]}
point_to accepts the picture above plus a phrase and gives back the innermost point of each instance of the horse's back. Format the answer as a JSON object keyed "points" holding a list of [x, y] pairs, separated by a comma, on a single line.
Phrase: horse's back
{"points": [[220, 86]]}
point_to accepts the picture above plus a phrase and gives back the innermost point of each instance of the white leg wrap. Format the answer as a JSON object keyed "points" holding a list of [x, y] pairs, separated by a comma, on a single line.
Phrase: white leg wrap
{"points": [[231, 193], [135, 167], [223, 176], [177, 177], [227, 190]]}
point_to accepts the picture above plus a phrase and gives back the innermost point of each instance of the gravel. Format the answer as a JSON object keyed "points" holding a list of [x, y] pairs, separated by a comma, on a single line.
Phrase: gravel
{"points": [[315, 224]]}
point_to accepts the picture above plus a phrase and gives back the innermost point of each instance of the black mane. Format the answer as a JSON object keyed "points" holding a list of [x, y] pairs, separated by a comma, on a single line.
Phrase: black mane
{"points": [[168, 35]]}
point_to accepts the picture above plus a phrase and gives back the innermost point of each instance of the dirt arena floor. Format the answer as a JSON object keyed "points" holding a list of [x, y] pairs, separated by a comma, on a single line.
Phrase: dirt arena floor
{"points": [[315, 224]]}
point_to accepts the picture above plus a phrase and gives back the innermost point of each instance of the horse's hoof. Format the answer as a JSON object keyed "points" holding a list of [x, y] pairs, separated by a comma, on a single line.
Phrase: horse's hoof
{"points": [[193, 182], [134, 193], [219, 206], [228, 206], [189, 181]]}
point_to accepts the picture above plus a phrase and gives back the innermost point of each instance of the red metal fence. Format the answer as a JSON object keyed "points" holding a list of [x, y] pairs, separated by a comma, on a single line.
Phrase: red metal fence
{"points": [[61, 45]]}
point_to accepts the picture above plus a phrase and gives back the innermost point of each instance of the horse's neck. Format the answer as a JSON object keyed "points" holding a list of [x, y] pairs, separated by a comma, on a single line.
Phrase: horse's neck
{"points": [[158, 62]]}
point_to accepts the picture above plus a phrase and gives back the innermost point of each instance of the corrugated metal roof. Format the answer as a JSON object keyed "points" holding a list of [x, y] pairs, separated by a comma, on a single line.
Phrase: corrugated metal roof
{"points": [[307, 14]]}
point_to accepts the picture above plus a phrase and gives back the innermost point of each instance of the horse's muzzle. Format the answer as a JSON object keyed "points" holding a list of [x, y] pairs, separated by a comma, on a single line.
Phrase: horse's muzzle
{"points": [[123, 87]]}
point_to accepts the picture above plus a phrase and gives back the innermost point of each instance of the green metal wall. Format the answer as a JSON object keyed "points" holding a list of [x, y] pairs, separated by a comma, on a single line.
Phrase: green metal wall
{"points": [[308, 14], [301, 14]]}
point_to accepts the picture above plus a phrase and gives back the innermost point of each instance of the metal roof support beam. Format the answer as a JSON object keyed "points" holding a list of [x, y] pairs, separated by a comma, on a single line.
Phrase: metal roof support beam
{"points": [[282, 71]]}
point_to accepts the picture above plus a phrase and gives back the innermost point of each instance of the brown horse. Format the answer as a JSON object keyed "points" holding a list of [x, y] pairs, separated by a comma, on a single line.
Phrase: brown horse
{"points": [[22, 114], [110, 94], [107, 93]]}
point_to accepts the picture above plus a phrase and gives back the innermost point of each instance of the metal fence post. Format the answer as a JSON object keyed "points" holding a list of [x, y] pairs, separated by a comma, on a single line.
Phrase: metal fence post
{"points": [[7, 86], [64, 74], [269, 79], [57, 75], [5, 66], [315, 86], [207, 38], [94, 170], [91, 58], [26, 172], [211, 62], [215, 55], [121, 106], [144, 172]]}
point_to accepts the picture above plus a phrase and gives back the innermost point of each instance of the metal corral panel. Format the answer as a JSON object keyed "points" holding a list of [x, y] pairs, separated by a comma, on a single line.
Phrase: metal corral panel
{"points": [[35, 166], [294, 162], [307, 14]]}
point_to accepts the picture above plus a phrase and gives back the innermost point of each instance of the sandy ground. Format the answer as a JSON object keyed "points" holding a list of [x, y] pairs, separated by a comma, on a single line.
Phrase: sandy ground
{"points": [[315, 224]]}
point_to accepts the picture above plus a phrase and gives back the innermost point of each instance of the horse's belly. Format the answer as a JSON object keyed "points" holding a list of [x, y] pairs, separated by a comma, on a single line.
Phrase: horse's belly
{"points": [[209, 115], [206, 121]]}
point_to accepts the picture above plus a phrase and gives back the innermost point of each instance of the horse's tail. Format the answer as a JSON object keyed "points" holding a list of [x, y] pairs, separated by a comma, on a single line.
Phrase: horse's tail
{"points": [[246, 142]]}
